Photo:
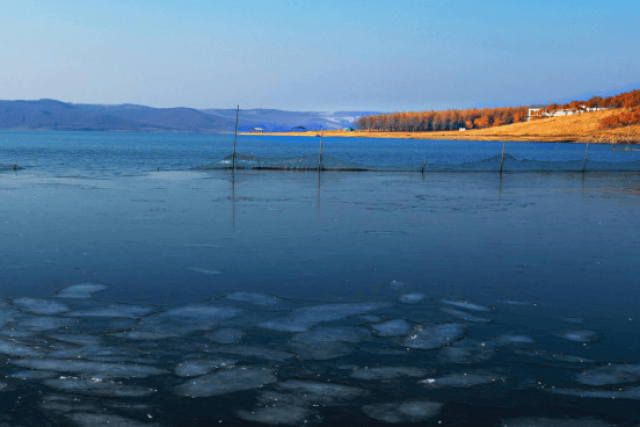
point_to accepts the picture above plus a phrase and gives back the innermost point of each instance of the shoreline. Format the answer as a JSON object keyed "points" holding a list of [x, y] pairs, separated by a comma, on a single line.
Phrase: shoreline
{"points": [[577, 128]]}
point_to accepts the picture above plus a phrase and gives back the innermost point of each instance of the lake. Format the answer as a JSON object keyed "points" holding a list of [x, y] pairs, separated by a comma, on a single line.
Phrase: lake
{"points": [[139, 291]]}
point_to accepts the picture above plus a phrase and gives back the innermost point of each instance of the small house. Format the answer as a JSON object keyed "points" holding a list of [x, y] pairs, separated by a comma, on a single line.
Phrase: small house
{"points": [[348, 129], [256, 129]]}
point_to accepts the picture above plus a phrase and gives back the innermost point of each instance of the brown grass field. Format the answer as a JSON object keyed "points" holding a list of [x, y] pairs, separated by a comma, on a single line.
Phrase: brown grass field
{"points": [[576, 128]]}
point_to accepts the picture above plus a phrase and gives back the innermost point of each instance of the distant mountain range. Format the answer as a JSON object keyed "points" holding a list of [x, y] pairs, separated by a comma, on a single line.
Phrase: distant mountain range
{"points": [[47, 114]]}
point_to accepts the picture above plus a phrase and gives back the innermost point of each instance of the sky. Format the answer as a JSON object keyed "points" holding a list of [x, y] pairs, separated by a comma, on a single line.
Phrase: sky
{"points": [[321, 55]]}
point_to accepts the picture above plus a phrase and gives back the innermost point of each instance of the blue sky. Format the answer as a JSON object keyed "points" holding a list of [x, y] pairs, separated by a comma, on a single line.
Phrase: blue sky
{"points": [[320, 55]]}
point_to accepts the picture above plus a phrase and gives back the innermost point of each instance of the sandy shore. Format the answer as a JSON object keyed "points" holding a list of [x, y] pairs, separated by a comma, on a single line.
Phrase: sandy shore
{"points": [[576, 128]]}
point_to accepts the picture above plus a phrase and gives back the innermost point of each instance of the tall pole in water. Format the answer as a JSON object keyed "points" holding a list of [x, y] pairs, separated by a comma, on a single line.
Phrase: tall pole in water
{"points": [[586, 153], [504, 147], [320, 155], [235, 139]]}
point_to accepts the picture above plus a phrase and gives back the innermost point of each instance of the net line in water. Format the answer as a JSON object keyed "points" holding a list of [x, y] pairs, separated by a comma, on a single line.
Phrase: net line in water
{"points": [[498, 163]]}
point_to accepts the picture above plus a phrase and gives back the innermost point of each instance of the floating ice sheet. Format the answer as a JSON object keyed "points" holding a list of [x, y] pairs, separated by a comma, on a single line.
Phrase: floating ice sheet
{"points": [[81, 290], [225, 336], [87, 419], [81, 339], [13, 349], [387, 372], [90, 369], [279, 415], [324, 343], [629, 393], [610, 374], [579, 335], [256, 298], [321, 393], [466, 305], [411, 298], [548, 422], [466, 351], [40, 324], [259, 352], [98, 387], [97, 352], [392, 328], [395, 285], [205, 271], [403, 412], [115, 310], [331, 334], [459, 380], [195, 368], [33, 375], [181, 320], [430, 337], [465, 316], [509, 340], [227, 381], [304, 318], [40, 306]]}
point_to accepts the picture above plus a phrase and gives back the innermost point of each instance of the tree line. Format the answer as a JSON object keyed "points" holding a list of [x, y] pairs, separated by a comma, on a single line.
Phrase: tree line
{"points": [[630, 101], [428, 121]]}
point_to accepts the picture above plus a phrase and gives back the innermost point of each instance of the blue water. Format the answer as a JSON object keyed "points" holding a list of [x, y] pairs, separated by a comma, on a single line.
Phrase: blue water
{"points": [[288, 276], [100, 153]]}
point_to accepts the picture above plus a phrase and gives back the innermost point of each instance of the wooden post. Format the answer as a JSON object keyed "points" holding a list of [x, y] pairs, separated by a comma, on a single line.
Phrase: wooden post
{"points": [[320, 155], [423, 165], [504, 147], [586, 153], [235, 139]]}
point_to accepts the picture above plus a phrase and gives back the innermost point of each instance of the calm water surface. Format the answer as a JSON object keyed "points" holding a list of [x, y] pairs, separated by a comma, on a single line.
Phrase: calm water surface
{"points": [[184, 297]]}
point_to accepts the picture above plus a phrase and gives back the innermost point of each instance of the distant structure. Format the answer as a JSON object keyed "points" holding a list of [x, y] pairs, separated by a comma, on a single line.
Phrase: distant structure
{"points": [[537, 111], [256, 129], [299, 128], [462, 129], [348, 129]]}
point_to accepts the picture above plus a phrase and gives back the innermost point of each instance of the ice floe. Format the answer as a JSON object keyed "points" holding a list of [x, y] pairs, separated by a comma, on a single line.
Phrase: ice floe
{"points": [[81, 290], [325, 343], [181, 320], [39, 324], [302, 319], [395, 285], [548, 422], [255, 298], [579, 335], [320, 392], [81, 339], [225, 336], [98, 387], [392, 328], [89, 368], [628, 393], [88, 419], [40, 306], [204, 271], [33, 375], [196, 368], [610, 374], [227, 381], [430, 337], [115, 310], [258, 352], [412, 411], [411, 298], [509, 340], [14, 349], [466, 305], [459, 380], [279, 415], [465, 316], [387, 372]]}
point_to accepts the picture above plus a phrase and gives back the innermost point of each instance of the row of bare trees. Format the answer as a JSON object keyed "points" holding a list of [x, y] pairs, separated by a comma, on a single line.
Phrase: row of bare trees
{"points": [[427, 121]]}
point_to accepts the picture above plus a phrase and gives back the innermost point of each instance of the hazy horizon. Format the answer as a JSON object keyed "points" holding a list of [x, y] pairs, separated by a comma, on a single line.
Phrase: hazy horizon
{"points": [[325, 56]]}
